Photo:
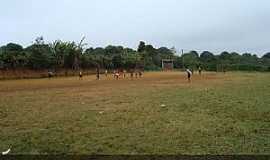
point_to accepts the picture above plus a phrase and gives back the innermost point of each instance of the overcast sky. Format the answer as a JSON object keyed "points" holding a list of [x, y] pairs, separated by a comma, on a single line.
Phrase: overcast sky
{"points": [[214, 25]]}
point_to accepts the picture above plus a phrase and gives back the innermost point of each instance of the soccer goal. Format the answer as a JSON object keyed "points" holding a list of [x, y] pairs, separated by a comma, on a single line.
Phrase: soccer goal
{"points": [[167, 64]]}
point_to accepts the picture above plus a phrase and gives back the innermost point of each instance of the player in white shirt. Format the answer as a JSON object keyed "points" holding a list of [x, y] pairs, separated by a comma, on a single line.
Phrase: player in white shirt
{"points": [[189, 73]]}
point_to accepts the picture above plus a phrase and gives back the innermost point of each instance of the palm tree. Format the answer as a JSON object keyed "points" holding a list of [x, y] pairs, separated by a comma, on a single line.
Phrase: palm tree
{"points": [[77, 54]]}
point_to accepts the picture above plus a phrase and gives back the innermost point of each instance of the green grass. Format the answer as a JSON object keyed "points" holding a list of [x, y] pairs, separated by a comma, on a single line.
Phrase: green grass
{"points": [[215, 114]]}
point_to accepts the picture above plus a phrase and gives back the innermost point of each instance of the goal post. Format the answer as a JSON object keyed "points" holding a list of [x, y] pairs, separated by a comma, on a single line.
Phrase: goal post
{"points": [[167, 64]]}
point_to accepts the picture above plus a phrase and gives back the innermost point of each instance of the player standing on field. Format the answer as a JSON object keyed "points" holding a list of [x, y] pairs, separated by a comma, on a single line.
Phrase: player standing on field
{"points": [[98, 73], [200, 71], [189, 73], [140, 73], [106, 73], [131, 74], [124, 73], [80, 75]]}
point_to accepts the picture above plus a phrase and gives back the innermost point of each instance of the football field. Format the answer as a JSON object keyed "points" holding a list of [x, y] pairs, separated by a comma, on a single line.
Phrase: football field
{"points": [[160, 113]]}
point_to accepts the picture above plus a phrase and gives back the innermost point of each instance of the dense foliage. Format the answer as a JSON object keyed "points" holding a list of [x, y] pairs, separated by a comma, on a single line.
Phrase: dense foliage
{"points": [[70, 55]]}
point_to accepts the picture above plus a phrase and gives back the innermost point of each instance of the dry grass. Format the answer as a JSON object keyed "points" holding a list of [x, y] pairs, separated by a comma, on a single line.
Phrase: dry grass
{"points": [[215, 114]]}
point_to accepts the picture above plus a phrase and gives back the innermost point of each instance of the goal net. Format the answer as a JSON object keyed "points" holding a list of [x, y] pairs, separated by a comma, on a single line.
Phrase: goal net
{"points": [[167, 64]]}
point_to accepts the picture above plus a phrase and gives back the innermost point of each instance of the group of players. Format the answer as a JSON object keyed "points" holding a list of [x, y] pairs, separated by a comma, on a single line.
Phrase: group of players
{"points": [[117, 74]]}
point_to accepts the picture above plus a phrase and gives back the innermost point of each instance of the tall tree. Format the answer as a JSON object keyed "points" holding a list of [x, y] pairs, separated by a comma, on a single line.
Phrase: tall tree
{"points": [[40, 55], [77, 54], [141, 46], [59, 51], [165, 52], [13, 55], [191, 59], [267, 55], [208, 61], [207, 57]]}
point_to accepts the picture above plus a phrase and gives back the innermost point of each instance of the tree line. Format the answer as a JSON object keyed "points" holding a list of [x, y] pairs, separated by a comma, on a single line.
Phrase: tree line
{"points": [[71, 55]]}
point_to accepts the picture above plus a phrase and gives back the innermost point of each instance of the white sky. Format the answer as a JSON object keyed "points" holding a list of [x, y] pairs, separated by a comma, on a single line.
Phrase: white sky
{"points": [[214, 25]]}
